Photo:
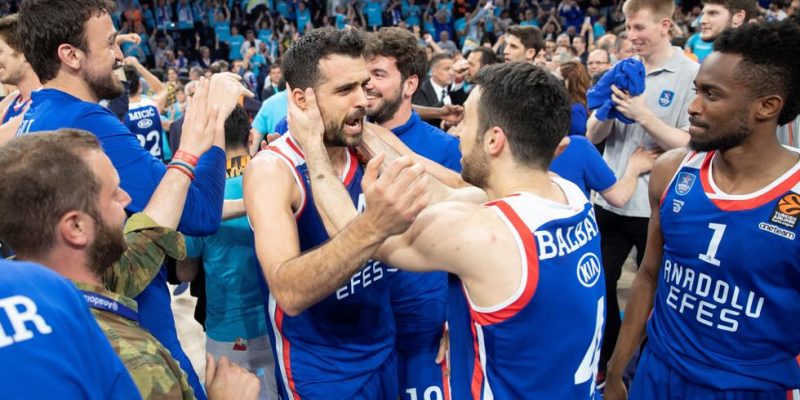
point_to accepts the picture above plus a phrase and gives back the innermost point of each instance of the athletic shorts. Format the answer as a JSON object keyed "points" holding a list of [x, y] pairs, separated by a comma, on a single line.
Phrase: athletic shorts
{"points": [[419, 376]]}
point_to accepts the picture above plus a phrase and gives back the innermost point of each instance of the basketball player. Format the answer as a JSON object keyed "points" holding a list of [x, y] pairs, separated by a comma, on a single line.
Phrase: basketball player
{"points": [[527, 258], [331, 325], [721, 267], [396, 62], [143, 118]]}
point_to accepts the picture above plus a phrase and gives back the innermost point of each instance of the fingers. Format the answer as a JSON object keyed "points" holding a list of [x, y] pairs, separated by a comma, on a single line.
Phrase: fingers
{"points": [[395, 168], [371, 173], [311, 100], [211, 369]]}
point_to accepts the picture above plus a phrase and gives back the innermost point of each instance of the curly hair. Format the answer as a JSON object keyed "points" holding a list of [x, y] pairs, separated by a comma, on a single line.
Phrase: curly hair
{"points": [[401, 45], [769, 63]]}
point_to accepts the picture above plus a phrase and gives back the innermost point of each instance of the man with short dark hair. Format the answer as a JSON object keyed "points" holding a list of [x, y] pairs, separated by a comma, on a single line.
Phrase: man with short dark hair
{"points": [[331, 325], [523, 43], [396, 65], [16, 70], [71, 46], [274, 82], [477, 59], [718, 279], [598, 62], [435, 92]]}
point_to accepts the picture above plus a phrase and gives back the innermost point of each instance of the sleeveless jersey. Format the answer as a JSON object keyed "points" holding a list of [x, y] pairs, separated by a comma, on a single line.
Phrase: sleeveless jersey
{"points": [[333, 348], [544, 342], [144, 121], [16, 108], [726, 307]]}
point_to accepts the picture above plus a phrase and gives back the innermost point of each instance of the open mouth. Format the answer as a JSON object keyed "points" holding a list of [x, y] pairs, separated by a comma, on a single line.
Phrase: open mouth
{"points": [[353, 126]]}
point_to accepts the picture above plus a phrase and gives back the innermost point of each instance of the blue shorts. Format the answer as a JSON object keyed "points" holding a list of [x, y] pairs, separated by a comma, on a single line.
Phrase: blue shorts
{"points": [[655, 380], [419, 376], [383, 385]]}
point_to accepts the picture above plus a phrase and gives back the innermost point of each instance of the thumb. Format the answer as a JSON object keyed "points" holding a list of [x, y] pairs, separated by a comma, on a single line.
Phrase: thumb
{"points": [[371, 173], [311, 99], [211, 369]]}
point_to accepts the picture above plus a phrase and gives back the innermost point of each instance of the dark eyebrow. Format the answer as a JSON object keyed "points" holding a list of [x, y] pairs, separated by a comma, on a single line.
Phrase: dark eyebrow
{"points": [[346, 87]]}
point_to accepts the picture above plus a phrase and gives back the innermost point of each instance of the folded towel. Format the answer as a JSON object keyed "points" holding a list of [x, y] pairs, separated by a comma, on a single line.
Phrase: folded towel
{"points": [[627, 75]]}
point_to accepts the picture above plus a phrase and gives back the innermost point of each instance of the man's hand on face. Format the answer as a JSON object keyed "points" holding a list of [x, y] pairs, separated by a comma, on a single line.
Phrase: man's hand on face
{"points": [[306, 125]]}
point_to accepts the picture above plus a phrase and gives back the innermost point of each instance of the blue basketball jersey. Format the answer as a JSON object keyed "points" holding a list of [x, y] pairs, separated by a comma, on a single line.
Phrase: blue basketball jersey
{"points": [[144, 121], [544, 341], [728, 300], [15, 108], [339, 346]]}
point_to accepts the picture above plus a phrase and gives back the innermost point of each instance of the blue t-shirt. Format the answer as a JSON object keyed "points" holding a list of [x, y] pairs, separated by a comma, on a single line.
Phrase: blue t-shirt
{"points": [[412, 14], [283, 9], [271, 112], [532, 22], [265, 35], [235, 44], [50, 343], [303, 17], [578, 120], [699, 47], [140, 173], [583, 165], [223, 31], [374, 13], [235, 308]]}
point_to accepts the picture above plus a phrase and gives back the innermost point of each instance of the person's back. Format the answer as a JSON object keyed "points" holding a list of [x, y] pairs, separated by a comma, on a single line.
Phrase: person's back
{"points": [[345, 342], [144, 121], [562, 291], [45, 327]]}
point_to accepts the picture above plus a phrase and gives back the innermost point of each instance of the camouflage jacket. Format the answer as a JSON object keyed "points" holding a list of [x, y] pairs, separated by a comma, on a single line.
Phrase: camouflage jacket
{"points": [[155, 372]]}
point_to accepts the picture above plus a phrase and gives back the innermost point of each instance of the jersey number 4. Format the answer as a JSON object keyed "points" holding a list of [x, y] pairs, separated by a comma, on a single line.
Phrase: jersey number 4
{"points": [[587, 370], [710, 256]]}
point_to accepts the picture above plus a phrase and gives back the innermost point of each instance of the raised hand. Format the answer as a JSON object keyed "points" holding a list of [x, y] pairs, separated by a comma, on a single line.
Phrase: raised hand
{"points": [[199, 124], [396, 197], [306, 125]]}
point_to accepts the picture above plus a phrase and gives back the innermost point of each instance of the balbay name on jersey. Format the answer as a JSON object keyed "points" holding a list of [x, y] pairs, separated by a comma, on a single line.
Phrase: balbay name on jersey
{"points": [[714, 302], [21, 313], [561, 242]]}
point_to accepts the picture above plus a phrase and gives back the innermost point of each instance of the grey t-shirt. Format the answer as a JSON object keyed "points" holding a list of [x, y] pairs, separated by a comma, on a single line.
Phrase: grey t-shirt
{"points": [[668, 92]]}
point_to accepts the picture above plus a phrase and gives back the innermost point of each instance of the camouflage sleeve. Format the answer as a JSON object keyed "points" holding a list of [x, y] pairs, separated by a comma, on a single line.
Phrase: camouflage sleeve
{"points": [[156, 374], [148, 243]]}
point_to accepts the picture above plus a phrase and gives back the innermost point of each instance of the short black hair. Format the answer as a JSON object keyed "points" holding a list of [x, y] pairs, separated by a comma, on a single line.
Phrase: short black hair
{"points": [[529, 36], [487, 55], [401, 45], [237, 129], [531, 106], [47, 24], [439, 57], [770, 53], [301, 61], [132, 76]]}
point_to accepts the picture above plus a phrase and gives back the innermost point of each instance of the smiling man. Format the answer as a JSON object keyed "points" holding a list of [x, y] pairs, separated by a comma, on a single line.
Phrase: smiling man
{"points": [[660, 119], [718, 284]]}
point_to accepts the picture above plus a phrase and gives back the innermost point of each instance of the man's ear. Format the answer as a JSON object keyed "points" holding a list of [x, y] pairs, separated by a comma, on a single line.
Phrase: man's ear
{"points": [[70, 55], [298, 96], [76, 229], [769, 107], [410, 85], [738, 19], [530, 55], [562, 145], [495, 141]]}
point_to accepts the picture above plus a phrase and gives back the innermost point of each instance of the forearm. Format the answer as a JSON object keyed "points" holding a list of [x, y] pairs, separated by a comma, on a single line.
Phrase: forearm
{"points": [[619, 194], [596, 130], [305, 280], [156, 85], [166, 205], [632, 332], [233, 209], [203, 211], [668, 137], [331, 198]]}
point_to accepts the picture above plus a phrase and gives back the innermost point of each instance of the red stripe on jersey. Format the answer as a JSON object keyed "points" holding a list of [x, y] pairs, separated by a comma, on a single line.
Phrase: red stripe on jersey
{"points": [[748, 204], [477, 371], [295, 147], [532, 257], [350, 169], [304, 197], [287, 363]]}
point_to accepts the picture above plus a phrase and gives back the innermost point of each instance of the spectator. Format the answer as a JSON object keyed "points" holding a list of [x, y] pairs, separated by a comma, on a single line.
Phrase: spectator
{"points": [[598, 62], [446, 44], [577, 81], [435, 92], [274, 82], [235, 42], [523, 43]]}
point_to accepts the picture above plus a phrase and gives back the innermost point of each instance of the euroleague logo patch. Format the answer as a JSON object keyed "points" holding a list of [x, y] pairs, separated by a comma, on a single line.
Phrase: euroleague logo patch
{"points": [[589, 270], [787, 211], [685, 183]]}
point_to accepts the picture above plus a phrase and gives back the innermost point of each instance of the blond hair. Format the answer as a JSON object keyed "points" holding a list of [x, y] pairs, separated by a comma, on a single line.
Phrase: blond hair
{"points": [[659, 8]]}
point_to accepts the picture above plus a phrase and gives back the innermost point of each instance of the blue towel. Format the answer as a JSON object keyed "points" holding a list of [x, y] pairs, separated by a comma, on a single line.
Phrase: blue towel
{"points": [[627, 75]]}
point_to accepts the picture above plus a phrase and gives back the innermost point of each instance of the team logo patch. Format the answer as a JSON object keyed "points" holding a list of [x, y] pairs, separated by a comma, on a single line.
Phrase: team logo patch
{"points": [[666, 97], [589, 270], [144, 123], [685, 183], [787, 211]]}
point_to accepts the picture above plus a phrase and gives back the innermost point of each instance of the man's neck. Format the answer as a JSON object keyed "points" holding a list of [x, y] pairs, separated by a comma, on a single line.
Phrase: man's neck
{"points": [[444, 85], [73, 85], [511, 178], [28, 84], [71, 266], [338, 157], [659, 57], [400, 117], [742, 170]]}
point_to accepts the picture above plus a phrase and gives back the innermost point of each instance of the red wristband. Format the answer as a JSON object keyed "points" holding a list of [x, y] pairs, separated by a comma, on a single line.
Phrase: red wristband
{"points": [[189, 158], [182, 169]]}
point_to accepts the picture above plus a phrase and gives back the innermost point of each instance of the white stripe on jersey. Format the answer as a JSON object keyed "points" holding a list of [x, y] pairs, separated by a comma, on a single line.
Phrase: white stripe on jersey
{"points": [[273, 305], [796, 394], [487, 390]]}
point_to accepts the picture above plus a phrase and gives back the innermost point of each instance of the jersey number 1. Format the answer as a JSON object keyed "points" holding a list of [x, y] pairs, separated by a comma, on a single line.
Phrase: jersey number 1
{"points": [[711, 254]]}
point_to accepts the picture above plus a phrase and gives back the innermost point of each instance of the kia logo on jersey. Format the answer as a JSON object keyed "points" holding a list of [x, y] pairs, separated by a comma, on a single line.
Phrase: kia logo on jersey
{"points": [[685, 183], [589, 269]]}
